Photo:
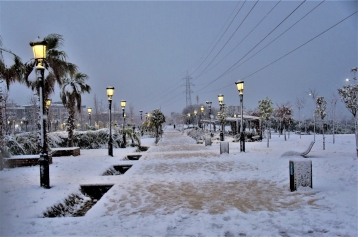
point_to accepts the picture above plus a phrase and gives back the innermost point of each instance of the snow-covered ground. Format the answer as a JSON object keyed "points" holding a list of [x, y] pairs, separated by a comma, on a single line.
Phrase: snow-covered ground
{"points": [[182, 188]]}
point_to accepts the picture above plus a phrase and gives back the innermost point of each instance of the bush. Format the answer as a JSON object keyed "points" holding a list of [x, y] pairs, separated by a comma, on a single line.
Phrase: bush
{"points": [[26, 143]]}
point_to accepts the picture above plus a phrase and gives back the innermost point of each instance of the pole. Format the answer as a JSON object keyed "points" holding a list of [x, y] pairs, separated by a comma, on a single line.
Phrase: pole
{"points": [[110, 141], [44, 159], [242, 133], [210, 118]]}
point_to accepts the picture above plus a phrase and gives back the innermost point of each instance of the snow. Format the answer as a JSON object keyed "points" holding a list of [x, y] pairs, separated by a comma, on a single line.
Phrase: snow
{"points": [[182, 188]]}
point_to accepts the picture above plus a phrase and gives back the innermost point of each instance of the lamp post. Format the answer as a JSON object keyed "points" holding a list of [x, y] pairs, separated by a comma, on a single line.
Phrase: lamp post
{"points": [[89, 110], [188, 119], [39, 50], [221, 99], [124, 120], [48, 104], [110, 92], [195, 113], [209, 105], [240, 88], [123, 105], [202, 113]]}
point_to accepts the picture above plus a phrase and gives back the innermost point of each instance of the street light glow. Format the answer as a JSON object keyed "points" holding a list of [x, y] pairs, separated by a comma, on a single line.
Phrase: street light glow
{"points": [[110, 92], [240, 86]]}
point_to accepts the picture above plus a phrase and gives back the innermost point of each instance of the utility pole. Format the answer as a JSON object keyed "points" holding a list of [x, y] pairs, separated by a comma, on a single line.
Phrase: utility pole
{"points": [[188, 90]]}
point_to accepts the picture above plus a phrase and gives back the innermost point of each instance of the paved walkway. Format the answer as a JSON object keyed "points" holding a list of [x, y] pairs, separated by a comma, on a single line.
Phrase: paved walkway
{"points": [[179, 174]]}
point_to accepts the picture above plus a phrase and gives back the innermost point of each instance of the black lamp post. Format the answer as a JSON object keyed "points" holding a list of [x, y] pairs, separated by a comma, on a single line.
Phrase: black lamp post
{"points": [[188, 119], [89, 110], [201, 115], [123, 105], [195, 118], [240, 88], [110, 92], [39, 50], [209, 105], [124, 120], [221, 99]]}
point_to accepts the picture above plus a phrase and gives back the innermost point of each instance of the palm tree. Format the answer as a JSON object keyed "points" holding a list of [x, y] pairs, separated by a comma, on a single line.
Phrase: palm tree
{"points": [[9, 75], [71, 91], [13, 73], [55, 63]]}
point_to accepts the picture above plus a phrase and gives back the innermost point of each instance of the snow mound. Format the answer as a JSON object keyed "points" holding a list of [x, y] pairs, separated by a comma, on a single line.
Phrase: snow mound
{"points": [[291, 153]]}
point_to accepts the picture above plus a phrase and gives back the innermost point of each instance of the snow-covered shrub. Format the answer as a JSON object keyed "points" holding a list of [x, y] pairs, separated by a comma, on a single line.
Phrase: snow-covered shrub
{"points": [[195, 133], [12, 146], [96, 139]]}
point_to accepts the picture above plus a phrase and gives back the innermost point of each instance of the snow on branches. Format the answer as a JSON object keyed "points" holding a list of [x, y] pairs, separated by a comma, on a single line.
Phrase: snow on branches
{"points": [[321, 105], [349, 95], [266, 109]]}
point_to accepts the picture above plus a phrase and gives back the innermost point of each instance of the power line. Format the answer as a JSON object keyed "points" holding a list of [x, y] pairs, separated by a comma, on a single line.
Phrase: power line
{"points": [[253, 47], [290, 51], [243, 38], [217, 36], [228, 39], [277, 36]]}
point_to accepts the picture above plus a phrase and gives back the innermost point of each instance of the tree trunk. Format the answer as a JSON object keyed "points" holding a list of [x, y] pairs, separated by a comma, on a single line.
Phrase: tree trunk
{"points": [[70, 127]]}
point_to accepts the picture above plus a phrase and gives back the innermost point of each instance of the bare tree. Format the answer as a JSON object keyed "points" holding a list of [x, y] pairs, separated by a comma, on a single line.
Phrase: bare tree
{"points": [[332, 112], [321, 112], [300, 104]]}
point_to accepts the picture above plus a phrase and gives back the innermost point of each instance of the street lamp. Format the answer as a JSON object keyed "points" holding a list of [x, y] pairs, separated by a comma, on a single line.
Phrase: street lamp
{"points": [[48, 104], [124, 120], [146, 116], [221, 99], [195, 113], [110, 92], [188, 119], [123, 105], [209, 105], [39, 50], [202, 112], [240, 88], [89, 110]]}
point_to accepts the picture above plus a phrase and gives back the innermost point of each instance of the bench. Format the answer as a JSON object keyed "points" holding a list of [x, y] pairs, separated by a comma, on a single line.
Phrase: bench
{"points": [[65, 151], [295, 153], [305, 153], [23, 161]]}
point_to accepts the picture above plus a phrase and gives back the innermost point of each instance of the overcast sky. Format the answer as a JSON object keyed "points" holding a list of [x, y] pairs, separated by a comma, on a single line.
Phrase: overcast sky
{"points": [[145, 49]]}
